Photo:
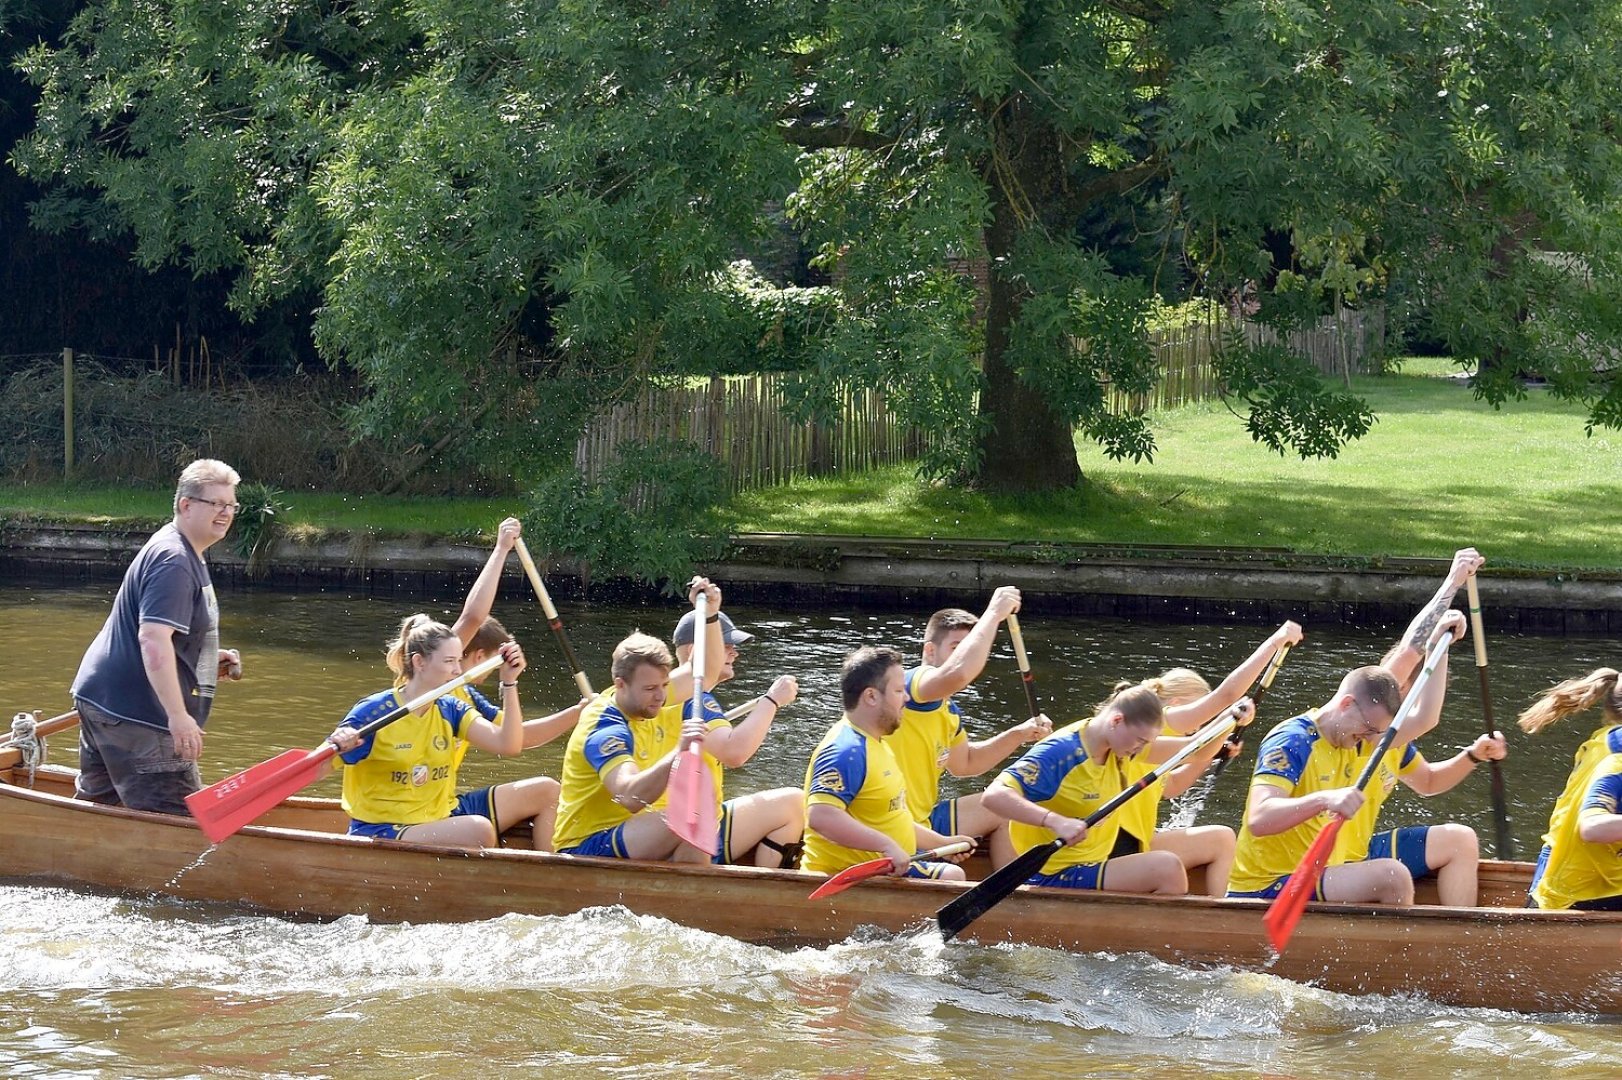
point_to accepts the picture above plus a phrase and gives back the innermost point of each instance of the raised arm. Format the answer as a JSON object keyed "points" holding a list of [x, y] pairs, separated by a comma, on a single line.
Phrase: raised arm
{"points": [[508, 739], [1409, 653], [482, 597], [1189, 718], [968, 660], [681, 678], [735, 744], [542, 731], [1428, 709], [974, 758]]}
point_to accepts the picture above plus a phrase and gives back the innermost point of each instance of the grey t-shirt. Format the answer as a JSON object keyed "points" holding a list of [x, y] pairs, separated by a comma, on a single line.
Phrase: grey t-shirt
{"points": [[168, 583]]}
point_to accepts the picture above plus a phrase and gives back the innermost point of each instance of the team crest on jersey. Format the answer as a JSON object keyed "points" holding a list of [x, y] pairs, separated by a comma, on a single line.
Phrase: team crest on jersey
{"points": [[613, 745], [419, 775], [441, 743], [830, 780], [1388, 781], [1277, 760], [1029, 772]]}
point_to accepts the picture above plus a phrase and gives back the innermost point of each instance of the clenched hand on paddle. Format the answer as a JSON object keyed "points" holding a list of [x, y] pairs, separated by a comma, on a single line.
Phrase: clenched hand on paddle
{"points": [[224, 807]]}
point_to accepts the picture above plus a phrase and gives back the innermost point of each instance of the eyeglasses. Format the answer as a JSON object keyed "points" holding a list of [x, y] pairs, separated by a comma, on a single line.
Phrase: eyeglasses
{"points": [[228, 507]]}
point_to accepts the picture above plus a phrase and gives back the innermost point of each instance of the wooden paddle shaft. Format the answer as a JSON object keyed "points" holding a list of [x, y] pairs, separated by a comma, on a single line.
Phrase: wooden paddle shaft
{"points": [[1503, 842], [552, 620], [1024, 662]]}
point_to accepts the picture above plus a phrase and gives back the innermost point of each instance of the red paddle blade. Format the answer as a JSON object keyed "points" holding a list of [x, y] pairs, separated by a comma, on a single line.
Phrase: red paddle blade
{"points": [[850, 875], [1291, 902], [223, 808], [691, 812]]}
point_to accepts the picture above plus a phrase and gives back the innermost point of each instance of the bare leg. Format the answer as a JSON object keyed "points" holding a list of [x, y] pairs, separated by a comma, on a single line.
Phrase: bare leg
{"points": [[777, 815], [1210, 846], [973, 819], [534, 800], [1453, 851], [647, 836], [468, 832], [1376, 881], [1158, 872]]}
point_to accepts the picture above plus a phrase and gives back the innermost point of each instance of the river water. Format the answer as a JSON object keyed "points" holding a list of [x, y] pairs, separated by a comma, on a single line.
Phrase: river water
{"points": [[98, 986]]}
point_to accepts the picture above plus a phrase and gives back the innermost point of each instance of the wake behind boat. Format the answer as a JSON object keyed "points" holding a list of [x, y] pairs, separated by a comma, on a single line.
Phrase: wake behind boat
{"points": [[297, 860]]}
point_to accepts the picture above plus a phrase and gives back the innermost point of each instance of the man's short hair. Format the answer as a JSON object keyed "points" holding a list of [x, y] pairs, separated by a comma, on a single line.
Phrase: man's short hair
{"points": [[199, 475], [868, 666], [946, 620], [639, 649], [1373, 685]]}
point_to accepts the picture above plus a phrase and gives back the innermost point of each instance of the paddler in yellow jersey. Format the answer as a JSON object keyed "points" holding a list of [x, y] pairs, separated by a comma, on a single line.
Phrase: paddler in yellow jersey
{"points": [[1306, 769], [931, 737], [618, 761], [856, 799]]}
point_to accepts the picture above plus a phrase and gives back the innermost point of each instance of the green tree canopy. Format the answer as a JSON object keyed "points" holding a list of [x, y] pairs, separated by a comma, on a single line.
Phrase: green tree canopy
{"points": [[450, 175]]}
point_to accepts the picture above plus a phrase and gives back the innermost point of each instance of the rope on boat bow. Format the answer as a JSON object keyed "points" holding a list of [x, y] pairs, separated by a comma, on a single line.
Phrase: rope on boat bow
{"points": [[27, 741]]}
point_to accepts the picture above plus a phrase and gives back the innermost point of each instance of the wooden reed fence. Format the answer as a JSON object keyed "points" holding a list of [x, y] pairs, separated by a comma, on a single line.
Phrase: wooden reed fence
{"points": [[741, 421], [1339, 346]]}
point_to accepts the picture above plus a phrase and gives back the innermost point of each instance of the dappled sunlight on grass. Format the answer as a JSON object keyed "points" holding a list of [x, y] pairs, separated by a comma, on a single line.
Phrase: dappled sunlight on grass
{"points": [[1439, 469]]}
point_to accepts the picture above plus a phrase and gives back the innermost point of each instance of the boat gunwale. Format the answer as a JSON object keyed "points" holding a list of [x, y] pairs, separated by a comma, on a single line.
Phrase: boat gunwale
{"points": [[701, 871]]}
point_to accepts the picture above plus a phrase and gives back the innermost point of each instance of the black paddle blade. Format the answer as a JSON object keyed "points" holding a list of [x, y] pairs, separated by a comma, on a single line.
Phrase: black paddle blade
{"points": [[955, 916]]}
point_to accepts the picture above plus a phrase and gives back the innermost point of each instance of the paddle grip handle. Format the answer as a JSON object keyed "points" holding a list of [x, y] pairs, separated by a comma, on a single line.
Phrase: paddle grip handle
{"points": [[1024, 661], [1266, 684]]}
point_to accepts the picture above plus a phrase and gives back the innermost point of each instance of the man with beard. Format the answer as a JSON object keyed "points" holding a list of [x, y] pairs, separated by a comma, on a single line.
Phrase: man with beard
{"points": [[856, 800]]}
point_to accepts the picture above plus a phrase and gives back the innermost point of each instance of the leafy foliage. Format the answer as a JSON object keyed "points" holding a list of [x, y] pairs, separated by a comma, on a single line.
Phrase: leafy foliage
{"points": [[517, 212], [653, 515]]}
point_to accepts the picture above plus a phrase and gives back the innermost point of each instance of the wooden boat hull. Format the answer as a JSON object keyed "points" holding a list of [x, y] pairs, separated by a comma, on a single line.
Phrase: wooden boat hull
{"points": [[296, 863]]}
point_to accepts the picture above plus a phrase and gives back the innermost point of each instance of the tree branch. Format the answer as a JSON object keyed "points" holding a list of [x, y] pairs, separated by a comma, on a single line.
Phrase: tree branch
{"points": [[835, 136], [1122, 180]]}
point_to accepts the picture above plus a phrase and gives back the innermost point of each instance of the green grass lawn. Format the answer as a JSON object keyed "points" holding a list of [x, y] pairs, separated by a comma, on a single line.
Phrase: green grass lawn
{"points": [[1439, 470]]}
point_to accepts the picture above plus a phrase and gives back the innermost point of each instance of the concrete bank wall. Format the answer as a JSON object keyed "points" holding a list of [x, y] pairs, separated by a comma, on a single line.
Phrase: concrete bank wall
{"points": [[1168, 583]]}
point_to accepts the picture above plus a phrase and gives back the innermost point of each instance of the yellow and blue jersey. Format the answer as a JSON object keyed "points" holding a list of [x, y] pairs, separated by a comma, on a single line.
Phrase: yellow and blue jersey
{"points": [[405, 772], [1139, 817], [1579, 870], [486, 708], [928, 731], [602, 741], [1352, 843], [1604, 741], [1296, 759], [1058, 774], [856, 772], [714, 717]]}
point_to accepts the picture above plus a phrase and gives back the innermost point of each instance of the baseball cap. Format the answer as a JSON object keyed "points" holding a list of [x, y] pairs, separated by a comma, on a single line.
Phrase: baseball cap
{"points": [[729, 633]]}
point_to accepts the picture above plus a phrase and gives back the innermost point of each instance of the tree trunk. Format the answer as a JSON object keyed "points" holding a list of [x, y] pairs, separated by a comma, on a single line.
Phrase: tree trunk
{"points": [[1024, 444]]}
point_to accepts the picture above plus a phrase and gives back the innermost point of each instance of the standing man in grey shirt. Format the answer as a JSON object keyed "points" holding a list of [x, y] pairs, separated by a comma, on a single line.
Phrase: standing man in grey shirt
{"points": [[145, 685]]}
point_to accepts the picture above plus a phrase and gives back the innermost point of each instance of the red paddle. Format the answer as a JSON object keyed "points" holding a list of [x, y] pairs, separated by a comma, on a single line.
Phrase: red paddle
{"points": [[1286, 909], [223, 808], [692, 813], [873, 868]]}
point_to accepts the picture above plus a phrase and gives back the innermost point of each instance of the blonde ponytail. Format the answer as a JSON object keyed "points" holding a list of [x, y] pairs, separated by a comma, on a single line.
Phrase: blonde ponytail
{"points": [[419, 635], [1573, 696]]}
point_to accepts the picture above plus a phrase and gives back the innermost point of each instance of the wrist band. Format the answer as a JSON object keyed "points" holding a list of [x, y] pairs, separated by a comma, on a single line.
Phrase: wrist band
{"points": [[1471, 755], [773, 700], [712, 618], [510, 685]]}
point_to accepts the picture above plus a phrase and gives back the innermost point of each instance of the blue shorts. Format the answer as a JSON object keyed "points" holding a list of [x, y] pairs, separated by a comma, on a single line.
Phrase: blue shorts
{"points": [[1080, 876], [1407, 846], [1274, 889], [723, 842], [607, 844], [943, 819], [477, 803], [929, 871]]}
